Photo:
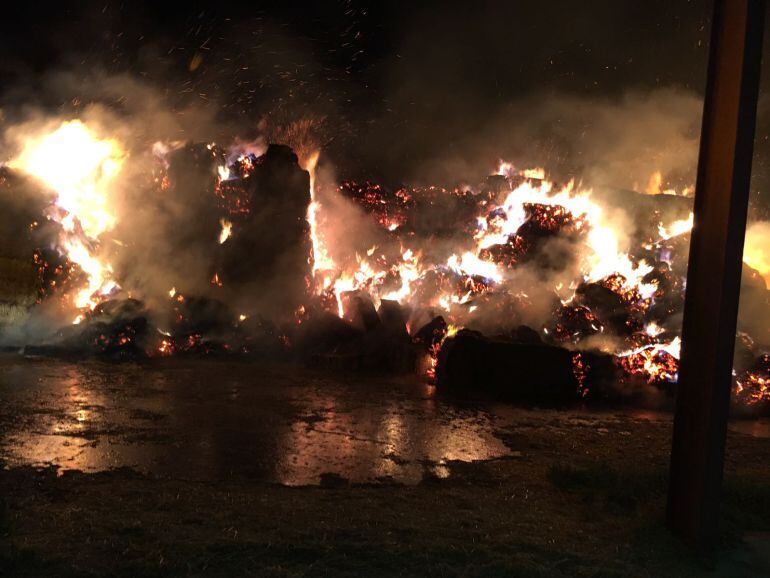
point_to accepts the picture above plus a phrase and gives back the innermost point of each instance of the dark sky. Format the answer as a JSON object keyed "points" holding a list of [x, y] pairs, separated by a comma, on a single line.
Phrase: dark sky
{"points": [[496, 49], [396, 81]]}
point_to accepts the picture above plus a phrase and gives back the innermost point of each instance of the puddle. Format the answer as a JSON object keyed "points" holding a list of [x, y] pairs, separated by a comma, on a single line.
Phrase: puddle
{"points": [[209, 420]]}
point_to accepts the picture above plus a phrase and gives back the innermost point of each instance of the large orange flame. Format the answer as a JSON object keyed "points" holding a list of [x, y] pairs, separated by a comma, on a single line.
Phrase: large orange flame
{"points": [[80, 168]]}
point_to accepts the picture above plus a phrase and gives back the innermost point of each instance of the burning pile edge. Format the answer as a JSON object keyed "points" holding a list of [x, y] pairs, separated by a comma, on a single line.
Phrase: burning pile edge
{"points": [[387, 311]]}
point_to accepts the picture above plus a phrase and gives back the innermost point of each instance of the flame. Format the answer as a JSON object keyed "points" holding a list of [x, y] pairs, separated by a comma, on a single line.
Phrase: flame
{"points": [[755, 249], [469, 264], [753, 388], [409, 272], [536, 173], [507, 169], [658, 362], [227, 228], [655, 187], [165, 348], [676, 228], [80, 168], [654, 183], [604, 257], [321, 259], [653, 329]]}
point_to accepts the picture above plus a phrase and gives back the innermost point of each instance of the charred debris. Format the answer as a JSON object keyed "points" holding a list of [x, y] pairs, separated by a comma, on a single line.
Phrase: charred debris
{"points": [[266, 198]]}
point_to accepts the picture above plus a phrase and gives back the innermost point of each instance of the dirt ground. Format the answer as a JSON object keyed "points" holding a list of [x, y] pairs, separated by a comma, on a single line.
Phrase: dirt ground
{"points": [[564, 493]]}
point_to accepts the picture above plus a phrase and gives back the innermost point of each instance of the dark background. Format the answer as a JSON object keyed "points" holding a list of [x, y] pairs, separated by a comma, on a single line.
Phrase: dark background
{"points": [[396, 82]]}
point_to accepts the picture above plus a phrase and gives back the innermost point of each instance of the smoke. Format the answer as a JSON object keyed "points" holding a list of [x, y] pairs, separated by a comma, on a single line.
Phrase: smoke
{"points": [[602, 141], [164, 235], [170, 240]]}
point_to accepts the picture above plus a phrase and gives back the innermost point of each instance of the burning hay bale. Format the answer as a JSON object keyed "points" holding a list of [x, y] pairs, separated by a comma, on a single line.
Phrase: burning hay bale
{"points": [[755, 306], [524, 372], [237, 253], [752, 387], [115, 329], [368, 340], [269, 250]]}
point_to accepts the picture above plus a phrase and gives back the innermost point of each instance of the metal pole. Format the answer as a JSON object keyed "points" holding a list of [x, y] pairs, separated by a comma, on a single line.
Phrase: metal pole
{"points": [[714, 274]]}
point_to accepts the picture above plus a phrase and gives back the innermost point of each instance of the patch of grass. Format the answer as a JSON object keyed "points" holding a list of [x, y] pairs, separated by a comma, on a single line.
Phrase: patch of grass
{"points": [[627, 489], [18, 563], [18, 281], [746, 504]]}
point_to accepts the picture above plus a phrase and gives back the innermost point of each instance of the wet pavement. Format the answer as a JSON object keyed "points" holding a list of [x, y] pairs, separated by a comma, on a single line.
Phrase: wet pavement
{"points": [[207, 420], [213, 419]]}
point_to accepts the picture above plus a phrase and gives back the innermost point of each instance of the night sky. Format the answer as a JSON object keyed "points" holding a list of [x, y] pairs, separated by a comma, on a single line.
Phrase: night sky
{"points": [[397, 83]]}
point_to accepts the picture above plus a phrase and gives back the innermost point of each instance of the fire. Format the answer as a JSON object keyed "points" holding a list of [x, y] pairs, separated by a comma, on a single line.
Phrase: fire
{"points": [[605, 256], [538, 173], [468, 269], [656, 363], [654, 184], [507, 169], [470, 264], [474, 270], [676, 228], [320, 257], [80, 168], [655, 187], [227, 228], [754, 250], [753, 389], [165, 348]]}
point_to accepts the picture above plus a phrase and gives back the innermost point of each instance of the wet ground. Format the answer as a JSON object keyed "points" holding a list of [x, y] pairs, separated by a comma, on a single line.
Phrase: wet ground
{"points": [[207, 420], [184, 467]]}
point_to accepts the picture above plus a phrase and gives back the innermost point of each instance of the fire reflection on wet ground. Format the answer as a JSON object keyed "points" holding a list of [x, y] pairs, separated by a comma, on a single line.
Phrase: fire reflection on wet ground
{"points": [[209, 420]]}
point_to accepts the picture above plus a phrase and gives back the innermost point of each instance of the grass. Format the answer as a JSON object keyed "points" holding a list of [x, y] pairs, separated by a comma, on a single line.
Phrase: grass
{"points": [[508, 517], [599, 485], [578, 497]]}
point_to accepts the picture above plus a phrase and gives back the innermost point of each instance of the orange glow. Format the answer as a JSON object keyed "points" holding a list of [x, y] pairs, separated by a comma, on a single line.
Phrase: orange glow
{"points": [[80, 168]]}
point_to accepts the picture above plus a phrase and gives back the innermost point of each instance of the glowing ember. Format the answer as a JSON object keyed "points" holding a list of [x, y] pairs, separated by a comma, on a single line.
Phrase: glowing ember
{"points": [[753, 389], [517, 251], [656, 363], [165, 348]]}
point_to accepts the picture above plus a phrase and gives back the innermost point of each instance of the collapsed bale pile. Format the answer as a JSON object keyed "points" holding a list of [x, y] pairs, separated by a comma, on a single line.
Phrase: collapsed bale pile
{"points": [[513, 287]]}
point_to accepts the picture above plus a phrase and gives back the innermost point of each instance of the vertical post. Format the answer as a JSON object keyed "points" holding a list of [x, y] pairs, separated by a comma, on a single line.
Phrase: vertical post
{"points": [[714, 274]]}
